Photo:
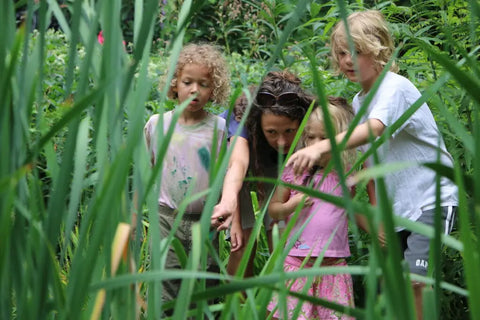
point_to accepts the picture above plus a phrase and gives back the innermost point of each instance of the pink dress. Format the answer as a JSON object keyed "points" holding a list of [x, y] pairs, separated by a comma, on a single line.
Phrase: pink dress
{"points": [[325, 219]]}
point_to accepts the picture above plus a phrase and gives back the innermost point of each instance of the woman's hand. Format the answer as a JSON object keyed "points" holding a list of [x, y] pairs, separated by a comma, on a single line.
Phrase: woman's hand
{"points": [[222, 216], [236, 237]]}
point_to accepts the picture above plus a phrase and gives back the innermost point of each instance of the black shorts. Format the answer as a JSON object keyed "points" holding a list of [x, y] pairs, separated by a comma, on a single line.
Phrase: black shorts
{"points": [[416, 247]]}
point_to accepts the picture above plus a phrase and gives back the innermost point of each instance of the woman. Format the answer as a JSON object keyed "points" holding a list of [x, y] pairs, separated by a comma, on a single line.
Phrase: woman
{"points": [[275, 116]]}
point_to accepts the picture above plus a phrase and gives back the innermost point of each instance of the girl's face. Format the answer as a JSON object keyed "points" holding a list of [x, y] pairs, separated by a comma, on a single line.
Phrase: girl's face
{"points": [[279, 131], [315, 132], [367, 72], [194, 79]]}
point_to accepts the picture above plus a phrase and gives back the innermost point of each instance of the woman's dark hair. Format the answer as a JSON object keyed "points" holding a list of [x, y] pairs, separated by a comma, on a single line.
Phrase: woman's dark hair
{"points": [[275, 83]]}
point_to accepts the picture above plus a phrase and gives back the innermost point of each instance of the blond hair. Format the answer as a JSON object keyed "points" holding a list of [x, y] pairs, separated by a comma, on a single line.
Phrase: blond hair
{"points": [[370, 35], [211, 57], [341, 115]]}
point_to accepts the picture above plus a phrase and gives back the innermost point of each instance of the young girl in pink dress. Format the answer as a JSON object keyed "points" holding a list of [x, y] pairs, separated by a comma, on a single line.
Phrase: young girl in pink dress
{"points": [[325, 219]]}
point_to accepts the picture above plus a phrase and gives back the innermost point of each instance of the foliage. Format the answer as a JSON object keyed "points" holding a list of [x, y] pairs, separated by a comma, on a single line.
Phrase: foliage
{"points": [[75, 169]]}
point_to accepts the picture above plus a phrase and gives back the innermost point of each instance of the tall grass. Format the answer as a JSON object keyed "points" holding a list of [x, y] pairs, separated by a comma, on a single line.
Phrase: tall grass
{"points": [[69, 185]]}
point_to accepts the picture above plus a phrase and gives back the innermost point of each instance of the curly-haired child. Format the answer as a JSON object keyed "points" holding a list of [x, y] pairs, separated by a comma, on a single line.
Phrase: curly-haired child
{"points": [[201, 75]]}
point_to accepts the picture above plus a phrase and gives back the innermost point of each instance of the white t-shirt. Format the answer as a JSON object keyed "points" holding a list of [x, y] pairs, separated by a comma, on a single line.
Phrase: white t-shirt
{"points": [[187, 162], [418, 140]]}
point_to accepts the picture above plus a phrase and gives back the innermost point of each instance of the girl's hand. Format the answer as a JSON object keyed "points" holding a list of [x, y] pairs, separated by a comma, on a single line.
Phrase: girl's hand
{"points": [[236, 237], [297, 199]]}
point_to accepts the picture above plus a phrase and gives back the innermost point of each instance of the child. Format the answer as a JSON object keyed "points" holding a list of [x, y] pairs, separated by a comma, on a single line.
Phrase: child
{"points": [[418, 140], [201, 73], [325, 219]]}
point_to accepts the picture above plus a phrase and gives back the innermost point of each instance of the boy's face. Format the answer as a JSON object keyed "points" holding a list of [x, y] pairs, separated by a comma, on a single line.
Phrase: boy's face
{"points": [[194, 80], [367, 71]]}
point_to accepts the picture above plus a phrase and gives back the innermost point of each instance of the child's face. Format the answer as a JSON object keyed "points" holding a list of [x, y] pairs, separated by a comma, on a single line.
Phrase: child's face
{"points": [[194, 79], [367, 71], [315, 132], [279, 131]]}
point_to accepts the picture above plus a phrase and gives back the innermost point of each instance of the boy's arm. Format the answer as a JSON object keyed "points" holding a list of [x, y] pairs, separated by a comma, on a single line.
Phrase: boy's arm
{"points": [[237, 168], [371, 192], [304, 159], [361, 220], [281, 205], [373, 201]]}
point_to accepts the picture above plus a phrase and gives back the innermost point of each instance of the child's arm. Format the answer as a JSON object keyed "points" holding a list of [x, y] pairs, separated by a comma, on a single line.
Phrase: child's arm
{"points": [[282, 205], [304, 159], [361, 220], [373, 201], [237, 168]]}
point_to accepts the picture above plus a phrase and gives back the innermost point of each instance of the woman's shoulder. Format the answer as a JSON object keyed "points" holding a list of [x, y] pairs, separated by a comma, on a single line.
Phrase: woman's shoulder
{"points": [[229, 118]]}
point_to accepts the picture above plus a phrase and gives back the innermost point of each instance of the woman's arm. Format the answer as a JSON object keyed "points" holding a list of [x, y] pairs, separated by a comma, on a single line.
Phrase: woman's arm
{"points": [[237, 168]]}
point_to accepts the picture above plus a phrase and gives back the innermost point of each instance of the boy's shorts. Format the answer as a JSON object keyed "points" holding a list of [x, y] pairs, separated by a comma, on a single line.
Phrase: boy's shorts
{"points": [[184, 234], [416, 247]]}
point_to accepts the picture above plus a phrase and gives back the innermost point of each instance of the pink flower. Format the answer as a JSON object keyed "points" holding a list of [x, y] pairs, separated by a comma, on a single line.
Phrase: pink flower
{"points": [[100, 37]]}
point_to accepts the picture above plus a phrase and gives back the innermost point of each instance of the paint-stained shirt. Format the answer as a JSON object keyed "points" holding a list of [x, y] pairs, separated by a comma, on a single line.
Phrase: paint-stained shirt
{"points": [[186, 164]]}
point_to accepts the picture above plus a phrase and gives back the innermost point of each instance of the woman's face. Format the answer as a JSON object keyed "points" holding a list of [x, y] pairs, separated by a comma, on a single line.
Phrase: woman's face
{"points": [[279, 131]]}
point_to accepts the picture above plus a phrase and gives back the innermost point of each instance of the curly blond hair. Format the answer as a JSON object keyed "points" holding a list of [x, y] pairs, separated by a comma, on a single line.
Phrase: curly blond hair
{"points": [[370, 35], [211, 57]]}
